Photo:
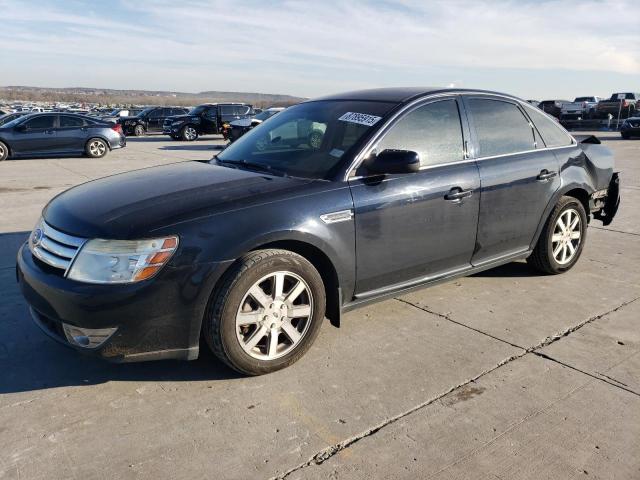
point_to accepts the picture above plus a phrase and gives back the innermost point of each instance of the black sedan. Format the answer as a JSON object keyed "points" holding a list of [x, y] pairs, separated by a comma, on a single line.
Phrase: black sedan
{"points": [[630, 128], [327, 206], [58, 134]]}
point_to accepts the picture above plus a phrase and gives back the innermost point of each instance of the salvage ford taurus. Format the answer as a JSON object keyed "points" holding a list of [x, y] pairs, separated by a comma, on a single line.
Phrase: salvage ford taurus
{"points": [[327, 206]]}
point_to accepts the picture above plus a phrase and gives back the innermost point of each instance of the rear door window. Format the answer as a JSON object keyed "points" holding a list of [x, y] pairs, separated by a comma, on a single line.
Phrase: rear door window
{"points": [[241, 109], [501, 127], [552, 134], [67, 121], [227, 110], [433, 131]]}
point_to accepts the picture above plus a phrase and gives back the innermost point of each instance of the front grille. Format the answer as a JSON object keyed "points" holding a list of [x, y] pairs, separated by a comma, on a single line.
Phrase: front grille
{"points": [[55, 248]]}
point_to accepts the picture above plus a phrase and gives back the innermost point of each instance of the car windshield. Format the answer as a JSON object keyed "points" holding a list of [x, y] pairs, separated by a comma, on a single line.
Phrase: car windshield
{"points": [[308, 140], [614, 97], [197, 110], [14, 122]]}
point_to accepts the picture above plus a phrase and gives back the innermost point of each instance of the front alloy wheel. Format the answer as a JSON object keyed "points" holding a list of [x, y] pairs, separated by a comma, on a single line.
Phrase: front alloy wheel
{"points": [[189, 133], [267, 312]]}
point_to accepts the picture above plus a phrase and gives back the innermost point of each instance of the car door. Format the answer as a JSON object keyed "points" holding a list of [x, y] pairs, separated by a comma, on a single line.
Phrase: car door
{"points": [[518, 176], [156, 119], [72, 134], [35, 136], [227, 113], [210, 120], [417, 226]]}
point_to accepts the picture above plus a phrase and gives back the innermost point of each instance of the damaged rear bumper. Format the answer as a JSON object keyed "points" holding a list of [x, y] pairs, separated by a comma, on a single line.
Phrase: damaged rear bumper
{"points": [[605, 207]]}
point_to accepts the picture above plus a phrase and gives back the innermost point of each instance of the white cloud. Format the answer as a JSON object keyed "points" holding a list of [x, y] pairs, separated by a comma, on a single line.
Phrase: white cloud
{"points": [[318, 47]]}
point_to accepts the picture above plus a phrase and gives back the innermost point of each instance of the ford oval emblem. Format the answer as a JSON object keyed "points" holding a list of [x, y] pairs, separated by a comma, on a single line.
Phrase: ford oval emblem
{"points": [[36, 236]]}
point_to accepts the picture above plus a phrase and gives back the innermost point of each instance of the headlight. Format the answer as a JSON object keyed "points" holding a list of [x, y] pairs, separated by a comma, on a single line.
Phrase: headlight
{"points": [[121, 261]]}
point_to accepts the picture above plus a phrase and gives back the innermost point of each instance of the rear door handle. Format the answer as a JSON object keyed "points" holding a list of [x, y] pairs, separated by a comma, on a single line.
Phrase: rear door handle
{"points": [[456, 193], [546, 175]]}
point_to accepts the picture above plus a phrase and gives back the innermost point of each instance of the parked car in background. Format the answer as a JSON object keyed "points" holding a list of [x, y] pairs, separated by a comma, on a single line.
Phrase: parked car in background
{"points": [[630, 128], [623, 103], [249, 251], [11, 116], [149, 120], [237, 128], [58, 134], [552, 107], [204, 119], [3, 112], [535, 103], [581, 107]]}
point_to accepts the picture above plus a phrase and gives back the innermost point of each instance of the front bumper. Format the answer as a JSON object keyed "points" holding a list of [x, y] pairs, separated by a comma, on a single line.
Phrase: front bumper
{"points": [[155, 319]]}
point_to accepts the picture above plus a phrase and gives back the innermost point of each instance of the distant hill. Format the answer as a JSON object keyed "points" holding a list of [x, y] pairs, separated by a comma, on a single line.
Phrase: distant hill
{"points": [[140, 97]]}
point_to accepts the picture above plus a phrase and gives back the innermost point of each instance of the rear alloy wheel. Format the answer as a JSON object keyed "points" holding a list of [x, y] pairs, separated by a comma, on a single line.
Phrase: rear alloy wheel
{"points": [[4, 152], [562, 239], [267, 313], [139, 131], [189, 133], [96, 148]]}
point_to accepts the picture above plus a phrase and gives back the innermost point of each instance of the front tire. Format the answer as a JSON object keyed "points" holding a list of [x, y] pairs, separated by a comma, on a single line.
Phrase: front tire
{"points": [[562, 238], [189, 133], [139, 131], [267, 313], [4, 152], [96, 148]]}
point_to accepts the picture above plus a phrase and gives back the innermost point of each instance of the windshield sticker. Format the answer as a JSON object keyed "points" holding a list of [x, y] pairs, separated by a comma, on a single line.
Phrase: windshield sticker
{"points": [[360, 118], [336, 152]]}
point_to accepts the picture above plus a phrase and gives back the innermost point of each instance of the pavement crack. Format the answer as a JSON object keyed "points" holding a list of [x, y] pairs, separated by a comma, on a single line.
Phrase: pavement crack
{"points": [[615, 231], [332, 450]]}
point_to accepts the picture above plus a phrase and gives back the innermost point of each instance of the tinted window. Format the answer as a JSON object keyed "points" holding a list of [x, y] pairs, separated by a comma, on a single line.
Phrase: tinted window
{"points": [[241, 109], [156, 113], [501, 127], [433, 131], [552, 134], [67, 121], [210, 113], [227, 110], [585, 99], [45, 121]]}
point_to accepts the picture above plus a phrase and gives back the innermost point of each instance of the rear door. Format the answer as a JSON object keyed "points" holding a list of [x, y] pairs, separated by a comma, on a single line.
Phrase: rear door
{"points": [[518, 176], [412, 227], [72, 134], [38, 136], [227, 113]]}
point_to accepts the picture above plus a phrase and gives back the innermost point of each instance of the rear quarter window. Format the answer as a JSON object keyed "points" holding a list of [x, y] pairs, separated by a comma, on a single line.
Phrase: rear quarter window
{"points": [[553, 135]]}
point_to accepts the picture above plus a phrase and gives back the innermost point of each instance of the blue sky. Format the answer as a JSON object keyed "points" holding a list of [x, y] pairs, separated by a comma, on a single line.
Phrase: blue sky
{"points": [[534, 49]]}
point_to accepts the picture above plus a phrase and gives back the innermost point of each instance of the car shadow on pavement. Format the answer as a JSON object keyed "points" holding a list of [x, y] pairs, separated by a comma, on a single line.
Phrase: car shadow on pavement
{"points": [[158, 137], [31, 361], [193, 147], [513, 269]]}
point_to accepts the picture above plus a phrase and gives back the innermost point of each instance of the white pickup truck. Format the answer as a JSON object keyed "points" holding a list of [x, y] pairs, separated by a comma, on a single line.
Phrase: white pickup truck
{"points": [[581, 107]]}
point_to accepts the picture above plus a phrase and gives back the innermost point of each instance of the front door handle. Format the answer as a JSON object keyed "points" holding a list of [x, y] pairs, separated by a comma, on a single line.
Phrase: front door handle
{"points": [[546, 175], [456, 194]]}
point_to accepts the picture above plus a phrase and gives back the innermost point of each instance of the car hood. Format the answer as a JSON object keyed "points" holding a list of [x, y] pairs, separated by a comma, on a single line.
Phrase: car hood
{"points": [[134, 204]]}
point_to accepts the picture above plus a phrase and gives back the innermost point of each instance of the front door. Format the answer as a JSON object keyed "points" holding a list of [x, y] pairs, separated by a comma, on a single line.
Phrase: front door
{"points": [[518, 175], [210, 120], [417, 226], [36, 136]]}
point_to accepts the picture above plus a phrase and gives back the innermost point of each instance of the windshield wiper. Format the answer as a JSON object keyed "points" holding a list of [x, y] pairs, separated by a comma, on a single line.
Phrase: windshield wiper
{"points": [[254, 166]]}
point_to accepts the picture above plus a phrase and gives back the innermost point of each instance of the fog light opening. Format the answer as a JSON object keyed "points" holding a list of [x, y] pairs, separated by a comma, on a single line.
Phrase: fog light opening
{"points": [[87, 337]]}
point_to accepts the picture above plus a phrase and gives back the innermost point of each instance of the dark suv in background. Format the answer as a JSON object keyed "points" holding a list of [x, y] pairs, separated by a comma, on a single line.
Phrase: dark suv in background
{"points": [[205, 119], [149, 120]]}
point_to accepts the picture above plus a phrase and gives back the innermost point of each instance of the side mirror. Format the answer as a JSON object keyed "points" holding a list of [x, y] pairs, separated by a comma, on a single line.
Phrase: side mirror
{"points": [[393, 161]]}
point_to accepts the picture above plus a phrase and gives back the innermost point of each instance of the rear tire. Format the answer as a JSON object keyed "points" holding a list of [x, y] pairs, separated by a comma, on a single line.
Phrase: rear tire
{"points": [[562, 238], [139, 131], [96, 148], [267, 312], [626, 136], [4, 151]]}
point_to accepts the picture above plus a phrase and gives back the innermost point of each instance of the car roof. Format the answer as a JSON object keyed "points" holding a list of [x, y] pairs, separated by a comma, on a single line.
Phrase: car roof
{"points": [[400, 94]]}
